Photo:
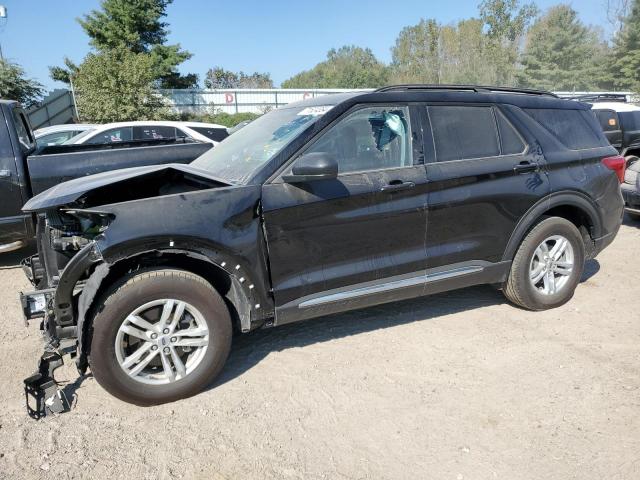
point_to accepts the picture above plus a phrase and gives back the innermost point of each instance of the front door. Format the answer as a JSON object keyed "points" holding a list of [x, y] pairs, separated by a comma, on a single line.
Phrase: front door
{"points": [[358, 239]]}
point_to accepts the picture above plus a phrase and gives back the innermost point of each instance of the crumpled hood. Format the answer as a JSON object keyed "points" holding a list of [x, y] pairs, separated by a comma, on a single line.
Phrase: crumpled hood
{"points": [[68, 192]]}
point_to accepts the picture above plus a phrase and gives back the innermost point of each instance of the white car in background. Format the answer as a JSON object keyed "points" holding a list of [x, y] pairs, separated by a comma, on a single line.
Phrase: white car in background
{"points": [[58, 134], [150, 130]]}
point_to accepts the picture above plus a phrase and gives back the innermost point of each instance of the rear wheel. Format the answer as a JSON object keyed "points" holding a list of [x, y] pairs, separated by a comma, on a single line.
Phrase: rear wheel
{"points": [[547, 266], [159, 336]]}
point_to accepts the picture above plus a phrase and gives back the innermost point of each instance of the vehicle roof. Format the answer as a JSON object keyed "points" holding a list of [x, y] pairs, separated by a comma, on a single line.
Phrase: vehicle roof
{"points": [[463, 94], [64, 127], [616, 106], [169, 123]]}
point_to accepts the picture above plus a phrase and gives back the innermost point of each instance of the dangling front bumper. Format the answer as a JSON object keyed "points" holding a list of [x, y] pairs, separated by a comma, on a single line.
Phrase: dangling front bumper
{"points": [[57, 310]]}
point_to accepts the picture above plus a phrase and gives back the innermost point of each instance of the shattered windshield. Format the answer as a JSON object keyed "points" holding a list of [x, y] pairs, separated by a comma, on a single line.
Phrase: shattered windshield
{"points": [[244, 152]]}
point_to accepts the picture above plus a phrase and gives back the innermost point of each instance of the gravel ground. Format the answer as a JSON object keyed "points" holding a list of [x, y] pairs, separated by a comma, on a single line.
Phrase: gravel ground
{"points": [[455, 386]]}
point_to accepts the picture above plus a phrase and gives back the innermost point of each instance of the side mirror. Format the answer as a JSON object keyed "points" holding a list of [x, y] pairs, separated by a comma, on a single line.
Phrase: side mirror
{"points": [[313, 166]]}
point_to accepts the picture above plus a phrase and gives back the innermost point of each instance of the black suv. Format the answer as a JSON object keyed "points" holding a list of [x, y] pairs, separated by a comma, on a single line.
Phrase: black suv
{"points": [[331, 204]]}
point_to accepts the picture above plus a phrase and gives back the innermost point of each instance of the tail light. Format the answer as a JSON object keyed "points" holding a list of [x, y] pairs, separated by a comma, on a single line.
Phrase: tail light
{"points": [[615, 163]]}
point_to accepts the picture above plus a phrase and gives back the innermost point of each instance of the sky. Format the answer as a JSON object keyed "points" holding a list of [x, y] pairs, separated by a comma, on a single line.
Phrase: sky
{"points": [[282, 37]]}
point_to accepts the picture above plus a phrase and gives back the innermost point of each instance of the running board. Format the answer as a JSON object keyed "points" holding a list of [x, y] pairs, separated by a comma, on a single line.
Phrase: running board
{"points": [[420, 279]]}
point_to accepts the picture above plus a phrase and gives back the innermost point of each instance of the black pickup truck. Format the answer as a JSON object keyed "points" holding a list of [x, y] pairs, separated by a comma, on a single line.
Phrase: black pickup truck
{"points": [[25, 171]]}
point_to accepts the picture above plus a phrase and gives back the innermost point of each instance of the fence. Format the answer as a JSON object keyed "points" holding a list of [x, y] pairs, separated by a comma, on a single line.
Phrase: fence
{"points": [[55, 109], [58, 106], [240, 100]]}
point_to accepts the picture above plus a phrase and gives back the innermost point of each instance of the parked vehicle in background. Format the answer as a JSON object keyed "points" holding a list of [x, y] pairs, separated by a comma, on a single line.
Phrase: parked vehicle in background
{"points": [[58, 134], [237, 127], [326, 205], [620, 122], [152, 130], [23, 173]]}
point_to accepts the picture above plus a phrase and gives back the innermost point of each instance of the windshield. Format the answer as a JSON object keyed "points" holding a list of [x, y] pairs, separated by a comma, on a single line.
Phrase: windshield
{"points": [[244, 152]]}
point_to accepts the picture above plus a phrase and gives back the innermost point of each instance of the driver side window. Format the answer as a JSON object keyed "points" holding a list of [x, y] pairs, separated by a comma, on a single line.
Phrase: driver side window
{"points": [[371, 138]]}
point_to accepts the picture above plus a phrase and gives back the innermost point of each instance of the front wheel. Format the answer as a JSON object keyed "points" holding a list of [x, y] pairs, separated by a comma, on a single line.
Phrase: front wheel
{"points": [[159, 336], [547, 266]]}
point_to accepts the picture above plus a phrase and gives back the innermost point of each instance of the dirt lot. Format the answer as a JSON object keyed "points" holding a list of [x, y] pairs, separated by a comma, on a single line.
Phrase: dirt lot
{"points": [[455, 386]]}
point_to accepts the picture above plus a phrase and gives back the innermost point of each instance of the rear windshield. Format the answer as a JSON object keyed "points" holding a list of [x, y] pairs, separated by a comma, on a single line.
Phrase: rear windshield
{"points": [[575, 129]]}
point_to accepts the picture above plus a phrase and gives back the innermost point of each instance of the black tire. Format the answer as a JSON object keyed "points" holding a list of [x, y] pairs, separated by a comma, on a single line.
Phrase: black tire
{"points": [[519, 289], [136, 290]]}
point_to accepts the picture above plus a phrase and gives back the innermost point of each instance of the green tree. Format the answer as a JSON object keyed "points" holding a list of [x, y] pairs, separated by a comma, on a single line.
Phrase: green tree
{"points": [[346, 67], [506, 23], [431, 53], [117, 85], [416, 56], [561, 53], [218, 77], [135, 25], [626, 52], [14, 85]]}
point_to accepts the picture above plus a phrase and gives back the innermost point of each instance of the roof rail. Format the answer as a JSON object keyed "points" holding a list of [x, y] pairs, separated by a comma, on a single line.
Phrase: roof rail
{"points": [[600, 97], [471, 88]]}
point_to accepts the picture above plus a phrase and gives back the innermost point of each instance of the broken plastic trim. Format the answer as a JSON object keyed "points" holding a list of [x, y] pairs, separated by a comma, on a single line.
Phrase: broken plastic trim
{"points": [[42, 395]]}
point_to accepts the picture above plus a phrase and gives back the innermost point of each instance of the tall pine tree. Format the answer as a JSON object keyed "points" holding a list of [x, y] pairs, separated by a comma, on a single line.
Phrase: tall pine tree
{"points": [[561, 53], [626, 58], [137, 26]]}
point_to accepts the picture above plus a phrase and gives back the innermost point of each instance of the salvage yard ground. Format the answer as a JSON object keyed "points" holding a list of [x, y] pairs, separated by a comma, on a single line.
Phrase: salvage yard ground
{"points": [[460, 385]]}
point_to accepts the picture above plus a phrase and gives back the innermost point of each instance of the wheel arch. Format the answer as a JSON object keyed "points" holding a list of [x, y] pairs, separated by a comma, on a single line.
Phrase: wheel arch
{"points": [[240, 295], [573, 206]]}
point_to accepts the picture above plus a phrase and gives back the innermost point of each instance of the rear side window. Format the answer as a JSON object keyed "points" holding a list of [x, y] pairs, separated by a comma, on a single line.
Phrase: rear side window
{"points": [[215, 134], [115, 135], [461, 132], [153, 132], [608, 120], [510, 140], [630, 120], [24, 132], [575, 129]]}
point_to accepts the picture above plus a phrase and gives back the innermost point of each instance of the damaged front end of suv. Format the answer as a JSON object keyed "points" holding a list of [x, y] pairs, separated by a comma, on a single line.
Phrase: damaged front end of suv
{"points": [[92, 231]]}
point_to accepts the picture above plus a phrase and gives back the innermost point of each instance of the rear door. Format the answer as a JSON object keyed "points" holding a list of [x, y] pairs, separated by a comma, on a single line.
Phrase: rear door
{"points": [[357, 239], [483, 177]]}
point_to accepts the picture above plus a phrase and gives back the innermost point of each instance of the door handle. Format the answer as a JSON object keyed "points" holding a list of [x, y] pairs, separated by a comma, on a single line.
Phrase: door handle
{"points": [[526, 167], [5, 173], [396, 186]]}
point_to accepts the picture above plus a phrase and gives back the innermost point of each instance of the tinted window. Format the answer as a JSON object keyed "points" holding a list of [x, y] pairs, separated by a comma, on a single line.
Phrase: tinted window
{"points": [[215, 134], [510, 141], [461, 132], [114, 135], [630, 120], [369, 139], [24, 132], [154, 132], [576, 129], [56, 138], [608, 120]]}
